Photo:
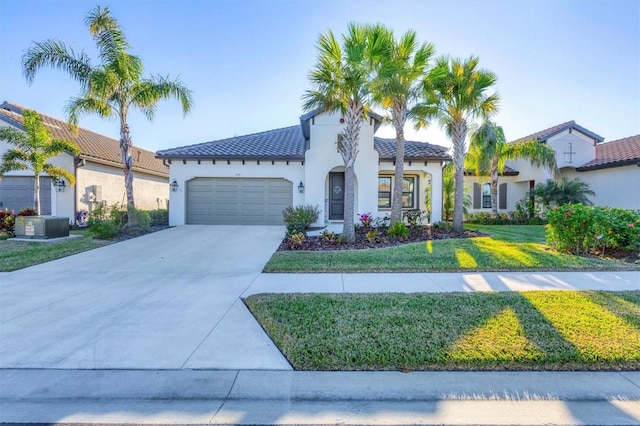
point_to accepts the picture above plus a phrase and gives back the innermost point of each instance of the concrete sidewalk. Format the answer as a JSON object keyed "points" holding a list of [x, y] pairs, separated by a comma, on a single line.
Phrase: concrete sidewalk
{"points": [[443, 282], [278, 397]]}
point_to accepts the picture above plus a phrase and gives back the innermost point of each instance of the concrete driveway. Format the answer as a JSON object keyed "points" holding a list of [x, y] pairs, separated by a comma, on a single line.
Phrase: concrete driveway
{"points": [[168, 300]]}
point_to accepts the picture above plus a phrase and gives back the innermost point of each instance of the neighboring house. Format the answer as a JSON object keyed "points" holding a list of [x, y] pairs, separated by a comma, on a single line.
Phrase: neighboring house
{"points": [[98, 172], [609, 168], [250, 179]]}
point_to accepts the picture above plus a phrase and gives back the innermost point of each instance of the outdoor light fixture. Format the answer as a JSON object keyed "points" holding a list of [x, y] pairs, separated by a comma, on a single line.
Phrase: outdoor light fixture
{"points": [[59, 184], [301, 187], [174, 186]]}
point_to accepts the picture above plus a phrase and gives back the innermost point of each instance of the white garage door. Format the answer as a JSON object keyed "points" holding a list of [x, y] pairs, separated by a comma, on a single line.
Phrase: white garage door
{"points": [[16, 193], [237, 201]]}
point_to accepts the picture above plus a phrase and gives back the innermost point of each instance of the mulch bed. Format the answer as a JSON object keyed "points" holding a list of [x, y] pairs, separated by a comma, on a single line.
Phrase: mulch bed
{"points": [[128, 234], [416, 234]]}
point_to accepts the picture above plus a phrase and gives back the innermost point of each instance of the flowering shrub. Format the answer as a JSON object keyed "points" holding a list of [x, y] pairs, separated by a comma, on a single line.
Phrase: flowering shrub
{"points": [[484, 218], [366, 219], [578, 229], [28, 212], [7, 221], [299, 218]]}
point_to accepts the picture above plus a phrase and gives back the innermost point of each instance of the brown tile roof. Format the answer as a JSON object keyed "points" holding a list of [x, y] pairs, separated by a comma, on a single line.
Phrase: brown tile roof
{"points": [[545, 134], [615, 153], [93, 146]]}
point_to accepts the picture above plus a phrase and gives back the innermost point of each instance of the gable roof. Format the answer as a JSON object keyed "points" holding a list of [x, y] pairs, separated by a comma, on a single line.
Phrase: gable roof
{"points": [[305, 121], [93, 146], [615, 153], [546, 134], [289, 143]]}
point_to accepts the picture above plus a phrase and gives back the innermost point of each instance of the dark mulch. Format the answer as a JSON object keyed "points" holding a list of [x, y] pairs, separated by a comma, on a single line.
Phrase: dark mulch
{"points": [[416, 234], [128, 234]]}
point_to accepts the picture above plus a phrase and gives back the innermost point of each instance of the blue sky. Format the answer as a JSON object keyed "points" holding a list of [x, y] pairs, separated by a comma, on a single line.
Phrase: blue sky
{"points": [[247, 62]]}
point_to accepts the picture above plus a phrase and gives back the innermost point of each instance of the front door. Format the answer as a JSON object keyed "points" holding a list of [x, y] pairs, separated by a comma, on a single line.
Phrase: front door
{"points": [[336, 196]]}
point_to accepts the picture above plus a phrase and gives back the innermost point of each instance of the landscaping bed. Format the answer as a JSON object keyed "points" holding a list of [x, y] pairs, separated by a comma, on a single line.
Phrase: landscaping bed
{"points": [[381, 240], [534, 330]]}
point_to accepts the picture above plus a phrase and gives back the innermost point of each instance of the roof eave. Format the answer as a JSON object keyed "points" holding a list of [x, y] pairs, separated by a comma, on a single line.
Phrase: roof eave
{"points": [[609, 165]]}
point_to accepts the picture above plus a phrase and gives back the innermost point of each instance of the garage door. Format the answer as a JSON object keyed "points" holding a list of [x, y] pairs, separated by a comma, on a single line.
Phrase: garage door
{"points": [[16, 193], [229, 201]]}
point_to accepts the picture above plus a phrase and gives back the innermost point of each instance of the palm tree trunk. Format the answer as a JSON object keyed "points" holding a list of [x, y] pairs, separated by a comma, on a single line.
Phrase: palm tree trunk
{"points": [[36, 194], [349, 153], [127, 164], [399, 119], [494, 186], [458, 134]]}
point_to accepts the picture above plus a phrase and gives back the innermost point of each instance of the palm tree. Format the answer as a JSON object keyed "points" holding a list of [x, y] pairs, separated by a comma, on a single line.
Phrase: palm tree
{"points": [[397, 88], [489, 152], [113, 87], [33, 148], [459, 91], [340, 81], [566, 192]]}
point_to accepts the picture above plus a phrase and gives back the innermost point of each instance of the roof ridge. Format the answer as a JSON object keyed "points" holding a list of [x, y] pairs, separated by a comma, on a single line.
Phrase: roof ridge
{"points": [[619, 140]]}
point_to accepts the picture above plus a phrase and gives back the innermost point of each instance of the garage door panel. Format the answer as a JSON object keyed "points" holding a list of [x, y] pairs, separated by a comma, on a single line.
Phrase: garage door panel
{"points": [[238, 201], [16, 193]]}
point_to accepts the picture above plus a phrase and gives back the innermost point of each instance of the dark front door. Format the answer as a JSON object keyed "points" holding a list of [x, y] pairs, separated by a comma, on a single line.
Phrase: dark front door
{"points": [[336, 196]]}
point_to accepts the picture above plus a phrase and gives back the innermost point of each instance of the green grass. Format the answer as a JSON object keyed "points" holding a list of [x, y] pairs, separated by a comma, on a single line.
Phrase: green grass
{"points": [[537, 330], [507, 248], [18, 254]]}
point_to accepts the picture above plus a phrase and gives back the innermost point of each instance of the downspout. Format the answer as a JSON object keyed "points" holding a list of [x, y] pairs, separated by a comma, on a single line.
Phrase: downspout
{"points": [[77, 162]]}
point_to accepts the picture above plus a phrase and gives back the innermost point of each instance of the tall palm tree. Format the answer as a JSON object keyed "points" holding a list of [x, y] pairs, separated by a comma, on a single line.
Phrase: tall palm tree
{"points": [[460, 92], [564, 192], [33, 147], [489, 152], [399, 76], [113, 87], [341, 82]]}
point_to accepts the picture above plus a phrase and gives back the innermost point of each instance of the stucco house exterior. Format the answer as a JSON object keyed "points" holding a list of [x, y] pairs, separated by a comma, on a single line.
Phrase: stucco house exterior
{"points": [[250, 179], [97, 169], [611, 169]]}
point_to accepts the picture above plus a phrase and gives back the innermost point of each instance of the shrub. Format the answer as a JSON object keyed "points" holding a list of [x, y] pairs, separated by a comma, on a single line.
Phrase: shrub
{"points": [[372, 235], [138, 220], [106, 222], [28, 212], [159, 217], [296, 240], [447, 226], [298, 219], [398, 230], [328, 235], [489, 219], [579, 229], [7, 221], [366, 220]]}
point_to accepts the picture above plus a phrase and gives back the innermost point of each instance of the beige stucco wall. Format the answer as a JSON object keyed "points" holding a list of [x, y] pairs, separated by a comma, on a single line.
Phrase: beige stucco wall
{"points": [[614, 186], [149, 192]]}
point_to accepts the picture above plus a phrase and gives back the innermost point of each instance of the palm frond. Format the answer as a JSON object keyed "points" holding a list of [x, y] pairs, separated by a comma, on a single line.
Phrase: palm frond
{"points": [[147, 94], [57, 55], [59, 172], [107, 34], [79, 106]]}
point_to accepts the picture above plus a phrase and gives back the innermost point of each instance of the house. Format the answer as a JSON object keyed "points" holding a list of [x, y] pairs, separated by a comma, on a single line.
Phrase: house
{"points": [[98, 172], [250, 179], [611, 169]]}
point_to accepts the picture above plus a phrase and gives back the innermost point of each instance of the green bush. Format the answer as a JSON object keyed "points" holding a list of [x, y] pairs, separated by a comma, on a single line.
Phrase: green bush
{"points": [[489, 219], [138, 220], [106, 222], [398, 230], [581, 230], [299, 218], [159, 217]]}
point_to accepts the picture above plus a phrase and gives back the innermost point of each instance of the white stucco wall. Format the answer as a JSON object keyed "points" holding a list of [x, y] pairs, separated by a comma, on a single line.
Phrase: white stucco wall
{"points": [[182, 173], [614, 186], [515, 192], [323, 157]]}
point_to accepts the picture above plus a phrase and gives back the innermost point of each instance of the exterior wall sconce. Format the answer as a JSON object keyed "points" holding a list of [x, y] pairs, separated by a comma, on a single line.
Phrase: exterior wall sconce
{"points": [[59, 184], [301, 187], [174, 186]]}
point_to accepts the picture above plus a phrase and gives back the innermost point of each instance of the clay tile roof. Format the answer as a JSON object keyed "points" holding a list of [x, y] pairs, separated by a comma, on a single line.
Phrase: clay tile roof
{"points": [[289, 143], [545, 134], [92, 145], [615, 153]]}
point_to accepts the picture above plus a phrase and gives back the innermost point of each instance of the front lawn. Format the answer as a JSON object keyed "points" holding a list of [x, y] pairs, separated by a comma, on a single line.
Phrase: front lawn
{"points": [[536, 330], [507, 248], [18, 254]]}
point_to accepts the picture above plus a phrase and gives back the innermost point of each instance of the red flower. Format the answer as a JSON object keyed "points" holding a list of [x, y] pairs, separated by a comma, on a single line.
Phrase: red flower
{"points": [[555, 208], [631, 225], [566, 214]]}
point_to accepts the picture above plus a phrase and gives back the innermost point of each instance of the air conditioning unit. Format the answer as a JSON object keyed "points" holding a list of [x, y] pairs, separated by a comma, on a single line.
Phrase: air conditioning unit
{"points": [[41, 227]]}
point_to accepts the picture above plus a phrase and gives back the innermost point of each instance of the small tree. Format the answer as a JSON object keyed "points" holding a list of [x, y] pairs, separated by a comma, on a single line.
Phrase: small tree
{"points": [[33, 147], [565, 192]]}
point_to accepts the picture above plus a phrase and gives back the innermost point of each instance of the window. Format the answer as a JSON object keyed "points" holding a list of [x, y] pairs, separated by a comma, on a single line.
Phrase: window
{"points": [[384, 192], [339, 143], [486, 196], [408, 192]]}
